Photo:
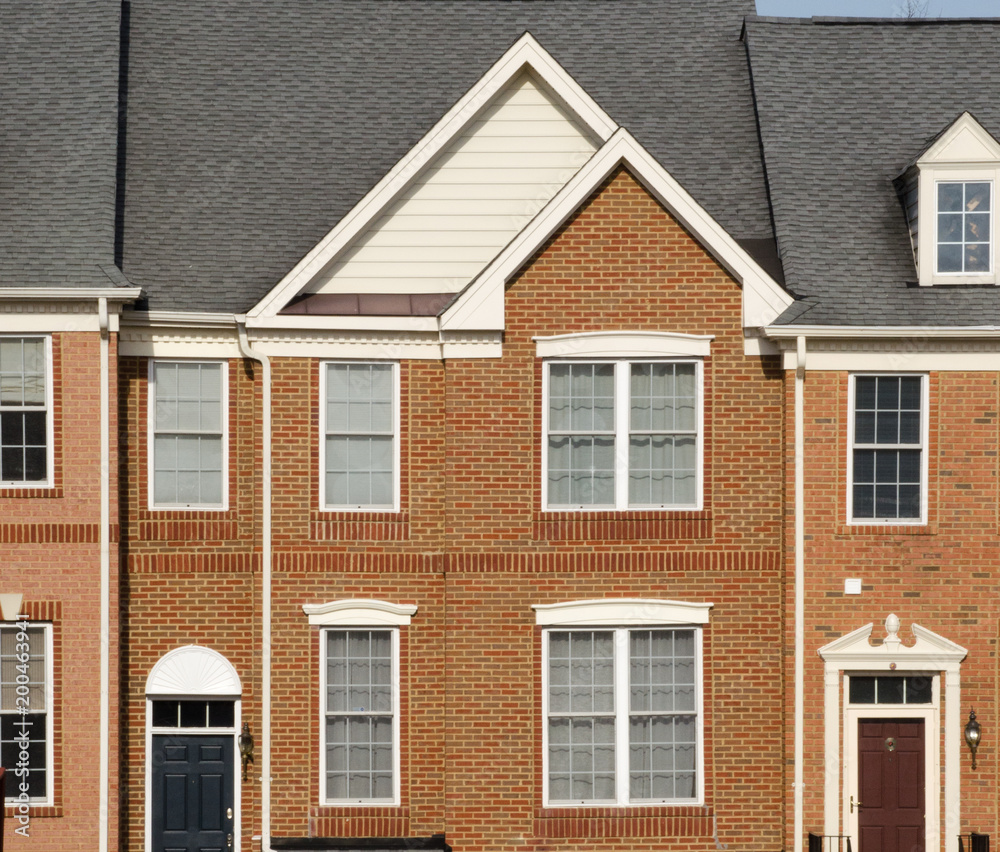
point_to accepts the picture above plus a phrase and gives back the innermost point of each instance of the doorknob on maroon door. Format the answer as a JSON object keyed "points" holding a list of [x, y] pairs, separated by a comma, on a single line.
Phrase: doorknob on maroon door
{"points": [[855, 805]]}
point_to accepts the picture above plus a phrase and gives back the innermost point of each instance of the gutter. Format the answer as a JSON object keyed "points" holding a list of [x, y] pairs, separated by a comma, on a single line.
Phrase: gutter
{"points": [[266, 582], [798, 785], [105, 547]]}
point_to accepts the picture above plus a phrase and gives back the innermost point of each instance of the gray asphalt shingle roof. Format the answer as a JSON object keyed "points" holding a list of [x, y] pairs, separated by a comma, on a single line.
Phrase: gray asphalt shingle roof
{"points": [[844, 105], [58, 125], [253, 127]]}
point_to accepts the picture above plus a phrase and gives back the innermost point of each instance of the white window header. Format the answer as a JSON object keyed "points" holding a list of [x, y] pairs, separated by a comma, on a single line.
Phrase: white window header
{"points": [[368, 613], [623, 611], [624, 344]]}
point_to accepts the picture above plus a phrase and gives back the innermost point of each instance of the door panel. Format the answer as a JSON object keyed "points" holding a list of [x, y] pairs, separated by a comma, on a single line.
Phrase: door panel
{"points": [[891, 785], [192, 792]]}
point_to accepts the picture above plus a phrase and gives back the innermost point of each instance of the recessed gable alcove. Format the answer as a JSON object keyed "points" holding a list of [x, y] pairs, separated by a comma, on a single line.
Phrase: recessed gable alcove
{"points": [[193, 670]]}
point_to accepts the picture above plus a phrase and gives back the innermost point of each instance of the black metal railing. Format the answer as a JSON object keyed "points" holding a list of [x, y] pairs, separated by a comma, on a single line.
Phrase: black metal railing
{"points": [[972, 842], [831, 843]]}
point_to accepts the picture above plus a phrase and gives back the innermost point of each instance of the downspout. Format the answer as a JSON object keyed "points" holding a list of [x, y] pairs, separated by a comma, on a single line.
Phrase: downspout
{"points": [[105, 545], [266, 568], [800, 633]]}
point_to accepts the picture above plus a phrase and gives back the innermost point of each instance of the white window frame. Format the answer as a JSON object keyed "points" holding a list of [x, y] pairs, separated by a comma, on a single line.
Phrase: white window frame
{"points": [[12, 778], [965, 177], [347, 507], [931, 175], [851, 446], [622, 616], [622, 433], [49, 410], [360, 614], [394, 642], [224, 434]]}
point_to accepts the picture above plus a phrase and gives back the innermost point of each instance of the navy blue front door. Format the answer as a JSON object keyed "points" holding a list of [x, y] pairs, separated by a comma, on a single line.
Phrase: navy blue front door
{"points": [[192, 793]]}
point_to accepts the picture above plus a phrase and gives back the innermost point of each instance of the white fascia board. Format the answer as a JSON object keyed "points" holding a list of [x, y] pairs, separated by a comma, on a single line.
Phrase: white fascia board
{"points": [[525, 52], [481, 305], [69, 294], [911, 332]]}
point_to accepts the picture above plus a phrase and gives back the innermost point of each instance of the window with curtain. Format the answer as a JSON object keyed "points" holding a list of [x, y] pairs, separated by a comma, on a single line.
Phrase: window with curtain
{"points": [[188, 464], [622, 716], [360, 730], [25, 698], [623, 435], [24, 414], [887, 458], [359, 441]]}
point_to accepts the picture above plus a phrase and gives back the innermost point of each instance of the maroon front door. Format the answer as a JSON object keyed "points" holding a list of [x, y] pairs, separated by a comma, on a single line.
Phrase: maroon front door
{"points": [[891, 785]]}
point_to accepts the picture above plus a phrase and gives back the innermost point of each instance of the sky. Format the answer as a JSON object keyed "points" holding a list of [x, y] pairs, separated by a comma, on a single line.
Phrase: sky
{"points": [[877, 8]]}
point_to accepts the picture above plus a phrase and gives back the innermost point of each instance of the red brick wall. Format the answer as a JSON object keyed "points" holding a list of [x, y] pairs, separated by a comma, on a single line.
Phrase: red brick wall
{"points": [[51, 554], [471, 548], [938, 575]]}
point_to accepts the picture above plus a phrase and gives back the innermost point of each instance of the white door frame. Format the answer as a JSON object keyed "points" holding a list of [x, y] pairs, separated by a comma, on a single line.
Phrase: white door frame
{"points": [[930, 654], [930, 713], [194, 672]]}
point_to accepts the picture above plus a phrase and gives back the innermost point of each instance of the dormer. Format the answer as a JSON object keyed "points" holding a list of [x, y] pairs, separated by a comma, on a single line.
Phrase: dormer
{"points": [[951, 188]]}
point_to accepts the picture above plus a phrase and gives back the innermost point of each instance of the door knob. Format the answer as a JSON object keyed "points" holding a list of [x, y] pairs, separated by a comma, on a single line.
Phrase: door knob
{"points": [[229, 840], [855, 804]]}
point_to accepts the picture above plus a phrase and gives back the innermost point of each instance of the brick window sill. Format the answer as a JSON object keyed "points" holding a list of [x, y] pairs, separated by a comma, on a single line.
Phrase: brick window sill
{"points": [[650, 821], [31, 493], [359, 821], [886, 530], [359, 526], [622, 526]]}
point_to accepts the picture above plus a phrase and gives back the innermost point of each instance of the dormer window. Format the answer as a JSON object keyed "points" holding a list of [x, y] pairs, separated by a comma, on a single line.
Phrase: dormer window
{"points": [[948, 196], [964, 227]]}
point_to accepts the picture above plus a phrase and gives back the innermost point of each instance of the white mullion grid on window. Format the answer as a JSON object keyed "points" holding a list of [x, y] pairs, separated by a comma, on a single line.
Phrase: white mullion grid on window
{"points": [[222, 433], [964, 179], [323, 714], [622, 433], [621, 642], [393, 433], [45, 629], [922, 447], [46, 409]]}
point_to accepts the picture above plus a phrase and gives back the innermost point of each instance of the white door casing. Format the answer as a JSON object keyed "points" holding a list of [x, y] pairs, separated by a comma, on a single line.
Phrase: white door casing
{"points": [[930, 654]]}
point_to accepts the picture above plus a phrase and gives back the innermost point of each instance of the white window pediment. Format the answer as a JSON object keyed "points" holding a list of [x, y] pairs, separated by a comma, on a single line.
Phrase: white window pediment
{"points": [[370, 613], [624, 611], [953, 223], [193, 670]]}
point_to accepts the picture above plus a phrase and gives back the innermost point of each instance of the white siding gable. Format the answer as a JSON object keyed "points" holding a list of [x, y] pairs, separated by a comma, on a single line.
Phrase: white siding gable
{"points": [[471, 201]]}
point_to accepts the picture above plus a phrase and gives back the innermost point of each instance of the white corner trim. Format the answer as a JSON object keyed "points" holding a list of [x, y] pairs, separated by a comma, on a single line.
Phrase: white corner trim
{"points": [[359, 612], [526, 52], [193, 670], [616, 611], [481, 304], [624, 344]]}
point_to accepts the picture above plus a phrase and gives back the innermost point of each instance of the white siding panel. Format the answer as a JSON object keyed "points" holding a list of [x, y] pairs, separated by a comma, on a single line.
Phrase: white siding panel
{"points": [[471, 201]]}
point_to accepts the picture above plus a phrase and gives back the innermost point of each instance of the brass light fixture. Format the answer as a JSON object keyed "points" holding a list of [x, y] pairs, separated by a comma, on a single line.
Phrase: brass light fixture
{"points": [[245, 742], [973, 732]]}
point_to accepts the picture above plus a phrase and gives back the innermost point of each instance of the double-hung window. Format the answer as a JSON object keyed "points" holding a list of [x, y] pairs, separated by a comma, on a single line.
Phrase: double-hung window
{"points": [[25, 701], [188, 413], [888, 452], [623, 434], [623, 708], [25, 421], [964, 227], [360, 426], [360, 729]]}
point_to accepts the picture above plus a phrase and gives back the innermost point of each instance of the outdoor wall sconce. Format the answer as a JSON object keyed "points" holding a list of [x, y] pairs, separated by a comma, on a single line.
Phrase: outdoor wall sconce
{"points": [[973, 731], [245, 742]]}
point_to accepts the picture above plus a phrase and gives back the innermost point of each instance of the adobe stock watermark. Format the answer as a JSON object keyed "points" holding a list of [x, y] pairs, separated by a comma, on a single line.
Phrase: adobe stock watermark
{"points": [[22, 729]]}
